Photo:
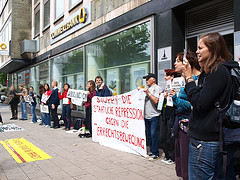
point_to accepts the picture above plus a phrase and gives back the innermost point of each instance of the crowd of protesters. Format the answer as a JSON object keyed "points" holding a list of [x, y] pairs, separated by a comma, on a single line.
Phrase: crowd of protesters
{"points": [[187, 130]]}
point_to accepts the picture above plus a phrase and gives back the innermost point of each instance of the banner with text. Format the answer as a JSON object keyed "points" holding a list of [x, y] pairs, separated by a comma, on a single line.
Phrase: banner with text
{"points": [[118, 122], [77, 96]]}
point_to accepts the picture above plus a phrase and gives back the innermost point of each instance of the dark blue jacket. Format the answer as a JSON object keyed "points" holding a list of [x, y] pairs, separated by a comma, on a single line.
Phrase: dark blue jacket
{"points": [[34, 103], [54, 98], [103, 91]]}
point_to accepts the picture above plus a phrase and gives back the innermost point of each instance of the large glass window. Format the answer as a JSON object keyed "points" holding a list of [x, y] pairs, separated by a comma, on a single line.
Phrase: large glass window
{"points": [[23, 78], [68, 68], [37, 21], [46, 15], [121, 59], [59, 8]]}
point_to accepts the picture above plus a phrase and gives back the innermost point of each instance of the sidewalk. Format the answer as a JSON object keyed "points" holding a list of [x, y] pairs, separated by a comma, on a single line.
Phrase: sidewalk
{"points": [[73, 157]]}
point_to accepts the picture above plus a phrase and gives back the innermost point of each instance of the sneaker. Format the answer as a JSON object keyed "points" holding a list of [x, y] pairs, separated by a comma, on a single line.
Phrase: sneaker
{"points": [[153, 158], [32, 122], [1, 123], [169, 162], [46, 126], [164, 160], [149, 155]]}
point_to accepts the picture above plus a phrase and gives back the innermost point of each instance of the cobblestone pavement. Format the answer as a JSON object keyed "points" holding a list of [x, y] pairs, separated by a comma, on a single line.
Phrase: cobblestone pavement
{"points": [[73, 157]]}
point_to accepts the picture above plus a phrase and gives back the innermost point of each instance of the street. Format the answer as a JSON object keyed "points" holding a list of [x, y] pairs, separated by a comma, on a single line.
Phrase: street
{"points": [[73, 157]]}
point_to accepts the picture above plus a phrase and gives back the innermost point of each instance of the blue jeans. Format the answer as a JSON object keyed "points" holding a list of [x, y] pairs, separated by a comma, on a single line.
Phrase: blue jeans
{"points": [[46, 117], [34, 117], [230, 174], [23, 106], [152, 132], [202, 161], [66, 115]]}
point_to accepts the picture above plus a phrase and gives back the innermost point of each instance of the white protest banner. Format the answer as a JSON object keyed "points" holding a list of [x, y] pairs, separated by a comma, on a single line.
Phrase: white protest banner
{"points": [[45, 98], [44, 109], [118, 122], [177, 84], [77, 95]]}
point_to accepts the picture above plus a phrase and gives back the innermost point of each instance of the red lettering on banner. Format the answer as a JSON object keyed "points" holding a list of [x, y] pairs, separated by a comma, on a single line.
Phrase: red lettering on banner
{"points": [[109, 100], [124, 124], [130, 113], [112, 121], [121, 136], [126, 99]]}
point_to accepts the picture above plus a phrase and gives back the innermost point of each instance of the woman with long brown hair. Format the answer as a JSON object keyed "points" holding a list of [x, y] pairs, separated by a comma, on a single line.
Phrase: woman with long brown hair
{"points": [[214, 84], [91, 93]]}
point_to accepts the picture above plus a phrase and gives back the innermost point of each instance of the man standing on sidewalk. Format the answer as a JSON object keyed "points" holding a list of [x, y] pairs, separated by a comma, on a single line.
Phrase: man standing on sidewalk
{"points": [[151, 115], [23, 104], [14, 103], [54, 101]]}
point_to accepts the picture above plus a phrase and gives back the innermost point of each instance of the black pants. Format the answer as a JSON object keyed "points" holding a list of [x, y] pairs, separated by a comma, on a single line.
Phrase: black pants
{"points": [[166, 141], [14, 109], [54, 116], [88, 121]]}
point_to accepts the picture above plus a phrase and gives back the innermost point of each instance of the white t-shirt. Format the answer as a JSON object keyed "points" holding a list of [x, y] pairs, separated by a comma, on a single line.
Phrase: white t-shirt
{"points": [[151, 108]]}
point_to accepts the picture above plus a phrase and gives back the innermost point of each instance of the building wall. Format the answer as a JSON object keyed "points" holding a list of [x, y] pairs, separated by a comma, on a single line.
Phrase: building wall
{"points": [[21, 25], [102, 12]]}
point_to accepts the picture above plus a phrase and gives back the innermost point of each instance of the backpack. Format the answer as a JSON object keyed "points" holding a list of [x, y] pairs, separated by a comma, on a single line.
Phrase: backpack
{"points": [[110, 92], [229, 116], [231, 113]]}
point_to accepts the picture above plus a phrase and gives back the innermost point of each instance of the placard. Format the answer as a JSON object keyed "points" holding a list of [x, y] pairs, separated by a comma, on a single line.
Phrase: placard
{"points": [[44, 108], [118, 122], [113, 80], [44, 98], [28, 99], [77, 94]]}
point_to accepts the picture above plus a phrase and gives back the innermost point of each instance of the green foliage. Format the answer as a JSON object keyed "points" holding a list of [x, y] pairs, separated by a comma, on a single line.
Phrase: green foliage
{"points": [[3, 79]]}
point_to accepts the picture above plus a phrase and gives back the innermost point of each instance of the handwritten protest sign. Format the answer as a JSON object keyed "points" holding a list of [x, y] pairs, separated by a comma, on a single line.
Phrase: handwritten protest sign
{"points": [[28, 99], [45, 98], [177, 84], [44, 109], [118, 122], [168, 88], [77, 96]]}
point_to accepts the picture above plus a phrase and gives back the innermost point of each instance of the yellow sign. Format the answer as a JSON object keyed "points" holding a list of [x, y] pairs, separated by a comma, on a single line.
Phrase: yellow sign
{"points": [[23, 151], [3, 46]]}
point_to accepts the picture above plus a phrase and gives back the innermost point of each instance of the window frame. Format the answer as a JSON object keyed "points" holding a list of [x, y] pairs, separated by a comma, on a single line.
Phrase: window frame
{"points": [[72, 6], [60, 15], [47, 25], [36, 10]]}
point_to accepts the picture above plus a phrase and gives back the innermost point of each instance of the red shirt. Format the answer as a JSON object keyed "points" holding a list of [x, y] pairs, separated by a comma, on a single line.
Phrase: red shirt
{"points": [[64, 95], [88, 104]]}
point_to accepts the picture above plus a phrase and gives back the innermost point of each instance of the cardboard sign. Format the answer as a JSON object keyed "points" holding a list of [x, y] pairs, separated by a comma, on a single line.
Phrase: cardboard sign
{"points": [[118, 122]]}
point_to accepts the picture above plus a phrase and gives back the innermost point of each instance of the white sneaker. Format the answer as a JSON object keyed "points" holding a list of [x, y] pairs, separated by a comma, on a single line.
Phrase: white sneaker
{"points": [[32, 122], [169, 162], [164, 160], [46, 126], [1, 123]]}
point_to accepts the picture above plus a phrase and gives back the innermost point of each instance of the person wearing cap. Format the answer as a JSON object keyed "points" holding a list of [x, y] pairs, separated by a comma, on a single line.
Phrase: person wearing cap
{"points": [[151, 115]]}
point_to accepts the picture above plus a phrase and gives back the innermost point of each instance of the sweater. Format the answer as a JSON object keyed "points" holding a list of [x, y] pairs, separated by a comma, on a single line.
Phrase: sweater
{"points": [[54, 98], [212, 87], [88, 104]]}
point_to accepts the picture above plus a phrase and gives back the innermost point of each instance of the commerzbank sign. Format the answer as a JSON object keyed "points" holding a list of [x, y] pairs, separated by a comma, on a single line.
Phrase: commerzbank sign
{"points": [[73, 23]]}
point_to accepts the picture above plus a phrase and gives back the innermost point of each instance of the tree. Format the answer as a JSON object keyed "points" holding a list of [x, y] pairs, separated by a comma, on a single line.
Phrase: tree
{"points": [[3, 79]]}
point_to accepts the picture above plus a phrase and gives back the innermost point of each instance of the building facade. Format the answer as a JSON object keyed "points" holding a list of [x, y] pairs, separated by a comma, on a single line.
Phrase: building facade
{"points": [[75, 40]]}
